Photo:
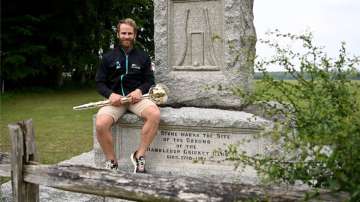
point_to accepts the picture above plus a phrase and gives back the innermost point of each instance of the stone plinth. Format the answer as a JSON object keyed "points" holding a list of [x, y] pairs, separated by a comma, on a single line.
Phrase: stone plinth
{"points": [[191, 141], [202, 46]]}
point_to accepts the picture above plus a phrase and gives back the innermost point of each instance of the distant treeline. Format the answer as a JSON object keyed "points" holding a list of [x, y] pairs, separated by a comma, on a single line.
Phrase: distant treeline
{"points": [[287, 76]]}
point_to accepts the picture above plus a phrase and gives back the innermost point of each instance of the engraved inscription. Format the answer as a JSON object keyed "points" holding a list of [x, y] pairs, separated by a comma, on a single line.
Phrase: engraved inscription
{"points": [[190, 146]]}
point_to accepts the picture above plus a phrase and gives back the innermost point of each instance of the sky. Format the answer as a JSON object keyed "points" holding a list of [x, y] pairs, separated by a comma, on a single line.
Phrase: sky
{"points": [[330, 21]]}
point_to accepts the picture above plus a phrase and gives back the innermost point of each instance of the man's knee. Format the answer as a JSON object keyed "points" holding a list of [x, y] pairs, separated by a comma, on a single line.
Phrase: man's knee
{"points": [[152, 113], [103, 123]]}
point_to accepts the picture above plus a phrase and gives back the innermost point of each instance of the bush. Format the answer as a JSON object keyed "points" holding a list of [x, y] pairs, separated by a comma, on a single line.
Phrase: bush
{"points": [[319, 128]]}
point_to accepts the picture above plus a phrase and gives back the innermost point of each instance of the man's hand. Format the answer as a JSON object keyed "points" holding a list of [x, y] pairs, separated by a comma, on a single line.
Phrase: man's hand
{"points": [[115, 99], [135, 96]]}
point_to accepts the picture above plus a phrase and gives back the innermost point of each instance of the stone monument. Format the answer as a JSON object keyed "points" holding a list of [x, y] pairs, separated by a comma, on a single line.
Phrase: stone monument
{"points": [[204, 45], [200, 46]]}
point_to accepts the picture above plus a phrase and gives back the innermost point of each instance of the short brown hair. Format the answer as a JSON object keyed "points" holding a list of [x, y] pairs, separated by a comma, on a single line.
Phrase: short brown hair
{"points": [[127, 21]]}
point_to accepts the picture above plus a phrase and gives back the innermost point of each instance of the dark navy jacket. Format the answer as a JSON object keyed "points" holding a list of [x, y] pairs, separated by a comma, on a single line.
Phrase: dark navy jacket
{"points": [[122, 73]]}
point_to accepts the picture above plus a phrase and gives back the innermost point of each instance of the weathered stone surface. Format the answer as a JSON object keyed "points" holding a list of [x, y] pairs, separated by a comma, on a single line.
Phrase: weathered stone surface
{"points": [[201, 45], [192, 142]]}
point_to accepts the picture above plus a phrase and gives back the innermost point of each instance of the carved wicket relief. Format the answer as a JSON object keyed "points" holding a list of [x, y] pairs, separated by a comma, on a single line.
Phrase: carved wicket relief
{"points": [[195, 28]]}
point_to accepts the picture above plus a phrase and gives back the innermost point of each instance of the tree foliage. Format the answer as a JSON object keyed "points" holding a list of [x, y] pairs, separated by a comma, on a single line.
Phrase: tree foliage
{"points": [[317, 129], [43, 39]]}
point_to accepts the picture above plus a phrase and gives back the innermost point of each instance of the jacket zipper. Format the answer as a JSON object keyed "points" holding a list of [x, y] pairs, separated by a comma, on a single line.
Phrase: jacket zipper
{"points": [[122, 76]]}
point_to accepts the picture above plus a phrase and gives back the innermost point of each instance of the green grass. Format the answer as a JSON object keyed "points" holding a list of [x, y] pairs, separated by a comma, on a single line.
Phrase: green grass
{"points": [[60, 132]]}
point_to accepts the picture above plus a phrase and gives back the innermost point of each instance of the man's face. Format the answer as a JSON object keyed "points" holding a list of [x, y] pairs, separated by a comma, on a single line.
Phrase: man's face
{"points": [[126, 35]]}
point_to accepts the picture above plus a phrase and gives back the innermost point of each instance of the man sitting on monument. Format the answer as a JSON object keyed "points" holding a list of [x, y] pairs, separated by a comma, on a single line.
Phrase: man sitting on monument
{"points": [[125, 71]]}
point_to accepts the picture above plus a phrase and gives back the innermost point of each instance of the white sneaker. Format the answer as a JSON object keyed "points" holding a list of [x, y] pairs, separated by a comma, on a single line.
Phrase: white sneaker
{"points": [[139, 164], [111, 165]]}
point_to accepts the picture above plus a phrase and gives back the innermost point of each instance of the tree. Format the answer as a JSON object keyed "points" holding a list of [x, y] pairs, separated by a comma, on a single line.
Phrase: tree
{"points": [[43, 39]]}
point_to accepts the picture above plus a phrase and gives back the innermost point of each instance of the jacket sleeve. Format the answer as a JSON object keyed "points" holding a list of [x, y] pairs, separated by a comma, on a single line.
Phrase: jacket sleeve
{"points": [[148, 77], [101, 79]]}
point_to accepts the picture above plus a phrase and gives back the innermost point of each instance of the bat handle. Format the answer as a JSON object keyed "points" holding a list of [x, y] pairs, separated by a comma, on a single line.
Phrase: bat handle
{"points": [[126, 99]]}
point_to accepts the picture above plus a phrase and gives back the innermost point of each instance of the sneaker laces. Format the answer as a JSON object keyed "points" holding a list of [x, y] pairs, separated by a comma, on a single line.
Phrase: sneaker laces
{"points": [[141, 163]]}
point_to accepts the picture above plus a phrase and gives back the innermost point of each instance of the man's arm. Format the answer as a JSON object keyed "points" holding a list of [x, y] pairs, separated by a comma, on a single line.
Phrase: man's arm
{"points": [[101, 79], [148, 79], [102, 88]]}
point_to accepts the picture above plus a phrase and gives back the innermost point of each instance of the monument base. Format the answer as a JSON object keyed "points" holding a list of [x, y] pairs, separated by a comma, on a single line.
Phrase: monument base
{"points": [[191, 142]]}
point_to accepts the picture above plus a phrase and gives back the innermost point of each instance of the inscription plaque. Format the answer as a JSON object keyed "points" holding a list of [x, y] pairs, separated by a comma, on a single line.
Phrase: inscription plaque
{"points": [[187, 146]]}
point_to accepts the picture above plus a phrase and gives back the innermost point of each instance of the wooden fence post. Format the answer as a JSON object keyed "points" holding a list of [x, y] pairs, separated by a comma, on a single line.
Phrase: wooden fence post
{"points": [[23, 151]]}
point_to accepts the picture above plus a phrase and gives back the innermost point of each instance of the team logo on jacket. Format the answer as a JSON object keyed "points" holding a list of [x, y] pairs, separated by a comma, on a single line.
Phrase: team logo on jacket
{"points": [[117, 65], [134, 66]]}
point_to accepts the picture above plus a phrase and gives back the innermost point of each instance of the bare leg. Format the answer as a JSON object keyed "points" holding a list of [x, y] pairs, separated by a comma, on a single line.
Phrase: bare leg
{"points": [[103, 133], [151, 117]]}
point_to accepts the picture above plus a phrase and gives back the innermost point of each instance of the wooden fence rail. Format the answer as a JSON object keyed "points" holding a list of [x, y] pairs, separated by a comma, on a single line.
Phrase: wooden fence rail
{"points": [[26, 176], [5, 168]]}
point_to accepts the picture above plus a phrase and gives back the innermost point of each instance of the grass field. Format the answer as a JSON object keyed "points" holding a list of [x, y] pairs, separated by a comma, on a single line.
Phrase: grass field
{"points": [[60, 132]]}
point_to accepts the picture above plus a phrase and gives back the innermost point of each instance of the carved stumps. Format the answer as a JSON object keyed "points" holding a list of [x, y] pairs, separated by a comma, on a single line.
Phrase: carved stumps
{"points": [[202, 48]]}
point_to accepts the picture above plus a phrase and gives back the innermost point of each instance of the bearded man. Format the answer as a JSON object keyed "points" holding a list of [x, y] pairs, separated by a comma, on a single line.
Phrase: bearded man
{"points": [[126, 71]]}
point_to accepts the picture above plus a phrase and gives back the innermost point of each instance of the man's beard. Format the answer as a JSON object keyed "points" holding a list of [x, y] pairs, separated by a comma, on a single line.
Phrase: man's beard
{"points": [[127, 43]]}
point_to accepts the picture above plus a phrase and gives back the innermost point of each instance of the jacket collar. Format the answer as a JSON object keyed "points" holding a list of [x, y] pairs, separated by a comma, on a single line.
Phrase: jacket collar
{"points": [[122, 50]]}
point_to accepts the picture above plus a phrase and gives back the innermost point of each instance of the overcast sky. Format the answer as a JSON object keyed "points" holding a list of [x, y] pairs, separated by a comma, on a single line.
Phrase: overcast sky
{"points": [[331, 21]]}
